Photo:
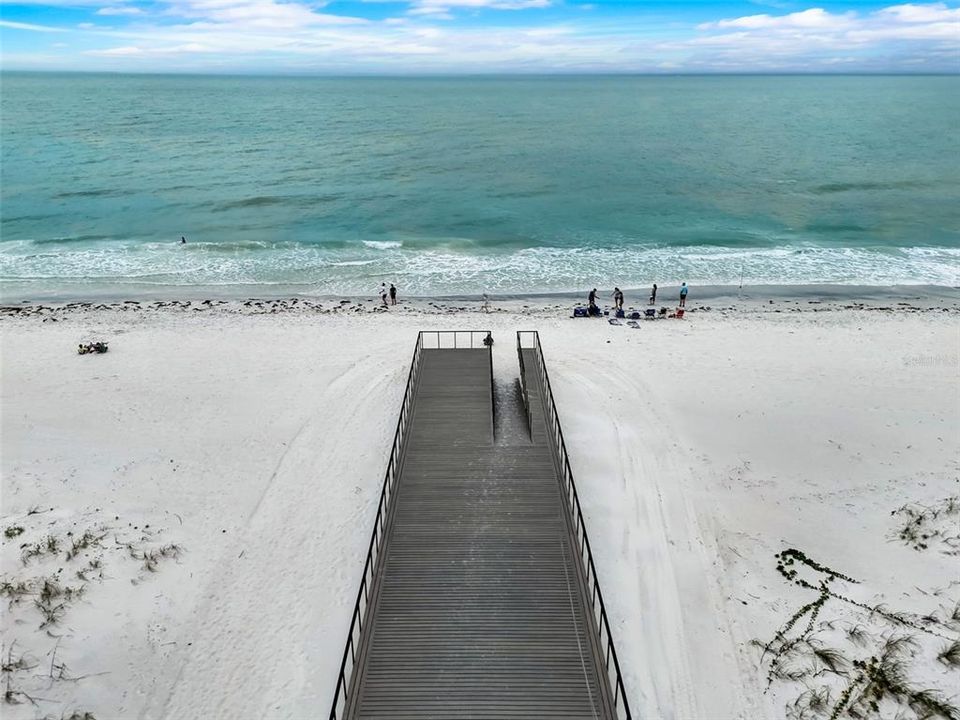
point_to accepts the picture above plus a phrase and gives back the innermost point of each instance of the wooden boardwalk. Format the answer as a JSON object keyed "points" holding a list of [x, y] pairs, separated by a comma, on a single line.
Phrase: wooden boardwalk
{"points": [[478, 606]]}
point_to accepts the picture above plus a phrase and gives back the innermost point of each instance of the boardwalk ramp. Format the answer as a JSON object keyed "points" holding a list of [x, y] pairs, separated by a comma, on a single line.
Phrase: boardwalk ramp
{"points": [[475, 602]]}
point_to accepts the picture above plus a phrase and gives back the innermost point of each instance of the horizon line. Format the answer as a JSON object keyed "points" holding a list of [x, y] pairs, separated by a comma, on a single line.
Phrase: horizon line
{"points": [[480, 74]]}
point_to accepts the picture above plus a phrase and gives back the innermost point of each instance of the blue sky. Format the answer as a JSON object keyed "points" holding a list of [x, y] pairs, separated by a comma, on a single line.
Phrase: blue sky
{"points": [[479, 36]]}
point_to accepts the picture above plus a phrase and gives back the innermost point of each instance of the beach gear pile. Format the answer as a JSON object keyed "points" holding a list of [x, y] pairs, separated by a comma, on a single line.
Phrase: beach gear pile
{"points": [[648, 314], [90, 348]]}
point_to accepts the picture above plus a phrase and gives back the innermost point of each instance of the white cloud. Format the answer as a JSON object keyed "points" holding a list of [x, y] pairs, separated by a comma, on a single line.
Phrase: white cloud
{"points": [[816, 18], [816, 38], [443, 7], [119, 11], [256, 14], [435, 13], [66, 3], [934, 13], [947, 31], [30, 26], [909, 20], [495, 4], [124, 51], [293, 35], [412, 45]]}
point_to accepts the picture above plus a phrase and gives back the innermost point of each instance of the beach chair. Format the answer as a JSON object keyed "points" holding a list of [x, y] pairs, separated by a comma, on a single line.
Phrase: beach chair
{"points": [[678, 314], [634, 324], [650, 314], [614, 321]]}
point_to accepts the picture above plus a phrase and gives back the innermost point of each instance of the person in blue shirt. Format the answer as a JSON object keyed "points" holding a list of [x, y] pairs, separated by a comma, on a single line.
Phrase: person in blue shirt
{"points": [[683, 295]]}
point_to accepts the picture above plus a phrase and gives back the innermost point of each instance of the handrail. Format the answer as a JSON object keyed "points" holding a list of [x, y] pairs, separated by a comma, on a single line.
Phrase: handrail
{"points": [[454, 340], [341, 696], [524, 394], [572, 505], [476, 340], [376, 539]]}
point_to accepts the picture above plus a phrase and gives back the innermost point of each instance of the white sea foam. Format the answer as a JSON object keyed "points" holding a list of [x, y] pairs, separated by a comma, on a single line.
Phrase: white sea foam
{"points": [[441, 272], [383, 244]]}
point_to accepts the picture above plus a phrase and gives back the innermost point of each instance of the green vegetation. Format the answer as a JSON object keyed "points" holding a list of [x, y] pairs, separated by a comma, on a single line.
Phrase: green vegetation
{"points": [[849, 669]]}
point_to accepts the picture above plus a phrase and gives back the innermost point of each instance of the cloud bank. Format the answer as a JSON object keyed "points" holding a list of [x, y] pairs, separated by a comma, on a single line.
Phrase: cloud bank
{"points": [[444, 36]]}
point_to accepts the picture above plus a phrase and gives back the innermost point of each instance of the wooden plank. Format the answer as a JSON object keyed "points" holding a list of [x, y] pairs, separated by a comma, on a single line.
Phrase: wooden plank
{"points": [[479, 610]]}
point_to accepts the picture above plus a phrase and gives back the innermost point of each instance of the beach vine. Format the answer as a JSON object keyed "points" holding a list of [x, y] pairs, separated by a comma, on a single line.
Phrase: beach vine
{"points": [[853, 669]]}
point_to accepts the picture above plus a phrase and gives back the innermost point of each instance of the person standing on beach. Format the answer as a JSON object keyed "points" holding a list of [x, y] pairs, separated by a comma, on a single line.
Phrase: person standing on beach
{"points": [[683, 295], [393, 294], [592, 302], [618, 298], [653, 295], [383, 294]]}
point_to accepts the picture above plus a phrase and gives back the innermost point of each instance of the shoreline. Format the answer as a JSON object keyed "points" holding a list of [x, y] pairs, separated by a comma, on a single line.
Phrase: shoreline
{"points": [[719, 298], [665, 293]]}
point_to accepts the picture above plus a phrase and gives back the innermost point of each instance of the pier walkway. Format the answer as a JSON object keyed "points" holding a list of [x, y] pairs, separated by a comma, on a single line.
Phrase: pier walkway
{"points": [[476, 600]]}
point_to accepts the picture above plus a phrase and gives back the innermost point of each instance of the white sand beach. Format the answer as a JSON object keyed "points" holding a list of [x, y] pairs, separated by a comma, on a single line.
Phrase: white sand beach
{"points": [[226, 465]]}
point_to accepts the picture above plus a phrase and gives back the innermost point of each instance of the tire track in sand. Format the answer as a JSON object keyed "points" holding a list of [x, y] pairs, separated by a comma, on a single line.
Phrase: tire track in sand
{"points": [[662, 553], [271, 620]]}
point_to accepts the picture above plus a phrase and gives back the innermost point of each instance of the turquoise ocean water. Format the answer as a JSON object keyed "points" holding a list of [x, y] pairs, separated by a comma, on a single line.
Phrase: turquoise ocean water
{"points": [[469, 185]]}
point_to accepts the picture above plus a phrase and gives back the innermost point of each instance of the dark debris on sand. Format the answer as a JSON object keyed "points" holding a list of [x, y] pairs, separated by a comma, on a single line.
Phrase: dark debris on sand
{"points": [[303, 306]]}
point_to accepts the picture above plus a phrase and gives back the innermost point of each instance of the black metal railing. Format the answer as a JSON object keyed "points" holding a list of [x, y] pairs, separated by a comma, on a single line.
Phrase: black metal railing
{"points": [[462, 340], [342, 694], [524, 393], [453, 339], [426, 340], [530, 339]]}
